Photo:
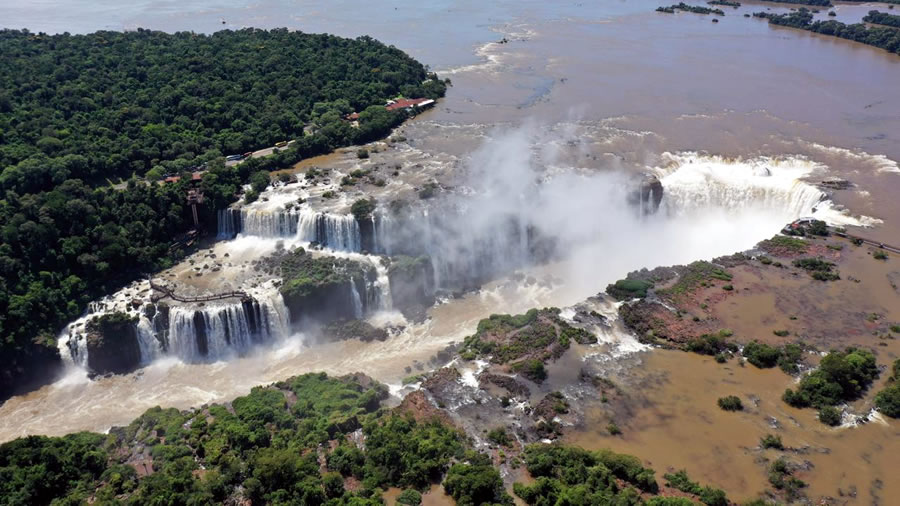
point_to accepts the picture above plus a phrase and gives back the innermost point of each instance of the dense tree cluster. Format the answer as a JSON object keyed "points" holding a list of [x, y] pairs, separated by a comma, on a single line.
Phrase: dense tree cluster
{"points": [[882, 37], [764, 356], [882, 18], [696, 9], [263, 447], [841, 376], [570, 475], [126, 102], [888, 400], [78, 109]]}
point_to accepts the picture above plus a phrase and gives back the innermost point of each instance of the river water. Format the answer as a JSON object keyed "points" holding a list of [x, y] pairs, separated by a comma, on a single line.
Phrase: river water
{"points": [[631, 83]]}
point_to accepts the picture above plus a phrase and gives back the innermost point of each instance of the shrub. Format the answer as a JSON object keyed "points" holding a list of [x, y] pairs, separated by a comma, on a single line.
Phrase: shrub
{"points": [[771, 441], [888, 400], [761, 355], [613, 429], [362, 153], [731, 403], [410, 497], [709, 496], [532, 369], [830, 416], [476, 483], [362, 209], [625, 289], [880, 255], [711, 344], [781, 333], [791, 354], [499, 437], [817, 268]]}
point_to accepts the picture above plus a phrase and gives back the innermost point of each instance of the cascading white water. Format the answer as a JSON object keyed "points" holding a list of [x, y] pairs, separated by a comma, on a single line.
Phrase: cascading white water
{"points": [[149, 344], [356, 299], [191, 333], [694, 182], [381, 288], [219, 330], [339, 232]]}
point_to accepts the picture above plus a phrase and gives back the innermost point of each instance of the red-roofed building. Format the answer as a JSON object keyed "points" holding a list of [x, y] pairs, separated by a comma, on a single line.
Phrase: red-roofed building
{"points": [[408, 103]]}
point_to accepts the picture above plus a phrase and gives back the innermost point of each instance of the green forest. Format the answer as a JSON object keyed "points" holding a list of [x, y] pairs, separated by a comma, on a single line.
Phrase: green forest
{"points": [[310, 440], [79, 110], [882, 18], [884, 38]]}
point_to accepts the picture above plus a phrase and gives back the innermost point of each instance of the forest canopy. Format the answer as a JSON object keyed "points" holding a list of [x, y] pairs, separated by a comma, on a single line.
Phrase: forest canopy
{"points": [[122, 102], [78, 110]]}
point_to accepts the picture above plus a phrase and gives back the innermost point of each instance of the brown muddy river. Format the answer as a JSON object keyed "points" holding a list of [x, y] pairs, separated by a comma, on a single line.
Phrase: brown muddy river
{"points": [[616, 86]]}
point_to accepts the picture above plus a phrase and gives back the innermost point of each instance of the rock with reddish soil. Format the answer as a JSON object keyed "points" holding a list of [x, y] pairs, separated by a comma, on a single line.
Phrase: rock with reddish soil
{"points": [[418, 405], [551, 406]]}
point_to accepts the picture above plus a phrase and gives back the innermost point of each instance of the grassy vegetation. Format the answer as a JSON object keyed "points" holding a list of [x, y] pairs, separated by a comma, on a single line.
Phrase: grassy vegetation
{"points": [[695, 275], [841, 376], [817, 268], [303, 274], [784, 244], [524, 341]]}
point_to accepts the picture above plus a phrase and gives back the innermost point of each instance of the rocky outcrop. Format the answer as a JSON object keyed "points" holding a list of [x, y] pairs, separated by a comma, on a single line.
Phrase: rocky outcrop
{"points": [[325, 303], [354, 329], [412, 284], [507, 383], [112, 344], [320, 288], [28, 367], [648, 195]]}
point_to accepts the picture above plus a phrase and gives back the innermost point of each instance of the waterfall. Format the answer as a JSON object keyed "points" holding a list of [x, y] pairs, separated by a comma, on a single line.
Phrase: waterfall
{"points": [[219, 330], [188, 332], [149, 344], [770, 185], [229, 223], [356, 299], [335, 231], [381, 288]]}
